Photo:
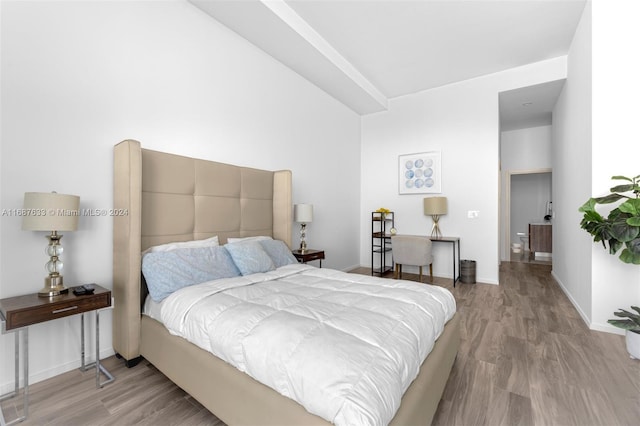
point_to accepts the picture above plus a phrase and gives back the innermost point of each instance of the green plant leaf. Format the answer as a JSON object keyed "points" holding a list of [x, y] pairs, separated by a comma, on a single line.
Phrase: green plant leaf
{"points": [[623, 178], [633, 221], [623, 232], [625, 324], [631, 206], [626, 314], [629, 257], [632, 317], [593, 216], [599, 231], [614, 245], [634, 245], [631, 253], [589, 206], [608, 199], [623, 188]]}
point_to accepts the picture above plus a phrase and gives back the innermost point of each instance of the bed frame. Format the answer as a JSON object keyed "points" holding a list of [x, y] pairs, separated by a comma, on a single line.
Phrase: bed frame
{"points": [[169, 198]]}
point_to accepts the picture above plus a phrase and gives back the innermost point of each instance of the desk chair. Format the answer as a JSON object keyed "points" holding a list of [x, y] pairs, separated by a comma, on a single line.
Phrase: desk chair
{"points": [[413, 250]]}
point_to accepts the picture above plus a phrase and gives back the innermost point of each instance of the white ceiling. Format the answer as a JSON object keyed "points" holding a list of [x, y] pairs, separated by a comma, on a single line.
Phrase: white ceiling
{"points": [[528, 106], [365, 52]]}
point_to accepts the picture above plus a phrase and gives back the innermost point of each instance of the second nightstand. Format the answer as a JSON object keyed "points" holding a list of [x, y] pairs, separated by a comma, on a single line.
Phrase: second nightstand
{"points": [[308, 255]]}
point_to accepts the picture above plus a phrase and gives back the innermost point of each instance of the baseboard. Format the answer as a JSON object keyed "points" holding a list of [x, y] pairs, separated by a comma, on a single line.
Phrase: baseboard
{"points": [[584, 316], [350, 268], [607, 328], [51, 372], [487, 281]]}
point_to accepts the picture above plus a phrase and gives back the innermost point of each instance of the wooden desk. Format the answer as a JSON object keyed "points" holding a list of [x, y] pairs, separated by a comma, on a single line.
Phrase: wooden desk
{"points": [[453, 241]]}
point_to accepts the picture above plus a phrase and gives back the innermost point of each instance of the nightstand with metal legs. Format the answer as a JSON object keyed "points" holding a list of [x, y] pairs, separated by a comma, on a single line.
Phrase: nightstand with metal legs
{"points": [[18, 313]]}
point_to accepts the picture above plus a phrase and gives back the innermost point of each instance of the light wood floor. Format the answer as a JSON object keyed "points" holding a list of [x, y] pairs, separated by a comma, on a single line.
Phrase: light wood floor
{"points": [[526, 358]]}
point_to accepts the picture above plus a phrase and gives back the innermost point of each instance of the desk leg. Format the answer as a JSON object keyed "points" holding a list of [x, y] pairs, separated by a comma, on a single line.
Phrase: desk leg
{"points": [[456, 277], [99, 368], [453, 255], [25, 366]]}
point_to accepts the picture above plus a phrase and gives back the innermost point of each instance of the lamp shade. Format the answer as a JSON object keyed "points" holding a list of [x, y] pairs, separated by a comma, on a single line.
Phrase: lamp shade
{"points": [[50, 211], [435, 206], [303, 213]]}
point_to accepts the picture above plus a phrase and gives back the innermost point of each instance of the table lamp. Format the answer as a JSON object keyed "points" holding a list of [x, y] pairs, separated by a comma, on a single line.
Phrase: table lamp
{"points": [[303, 214], [51, 212], [435, 207]]}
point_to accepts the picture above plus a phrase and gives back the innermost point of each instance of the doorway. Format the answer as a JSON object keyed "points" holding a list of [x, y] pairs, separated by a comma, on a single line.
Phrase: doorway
{"points": [[529, 201], [525, 149]]}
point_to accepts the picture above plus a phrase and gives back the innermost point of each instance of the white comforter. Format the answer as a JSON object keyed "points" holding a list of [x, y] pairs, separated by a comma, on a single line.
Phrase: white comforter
{"points": [[344, 346]]}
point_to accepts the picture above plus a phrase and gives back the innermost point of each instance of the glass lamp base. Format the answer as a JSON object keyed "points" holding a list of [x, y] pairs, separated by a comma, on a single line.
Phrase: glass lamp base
{"points": [[53, 287], [303, 234]]}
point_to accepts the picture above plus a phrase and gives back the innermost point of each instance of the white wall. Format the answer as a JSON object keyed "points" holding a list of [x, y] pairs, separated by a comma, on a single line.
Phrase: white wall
{"points": [[584, 163], [572, 169], [78, 77], [461, 120], [526, 149], [615, 147]]}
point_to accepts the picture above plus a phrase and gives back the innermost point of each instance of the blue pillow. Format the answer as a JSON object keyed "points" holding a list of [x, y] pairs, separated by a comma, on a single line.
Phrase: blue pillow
{"points": [[250, 257], [279, 253], [168, 271]]}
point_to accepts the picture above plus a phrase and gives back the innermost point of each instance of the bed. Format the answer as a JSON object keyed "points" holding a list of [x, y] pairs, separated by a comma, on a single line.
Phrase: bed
{"points": [[169, 198]]}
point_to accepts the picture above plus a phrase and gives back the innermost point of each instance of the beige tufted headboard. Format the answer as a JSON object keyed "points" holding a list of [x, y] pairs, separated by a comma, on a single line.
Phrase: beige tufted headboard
{"points": [[166, 198]]}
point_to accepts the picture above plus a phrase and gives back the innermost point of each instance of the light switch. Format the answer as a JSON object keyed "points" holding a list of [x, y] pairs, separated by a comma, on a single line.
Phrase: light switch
{"points": [[472, 214]]}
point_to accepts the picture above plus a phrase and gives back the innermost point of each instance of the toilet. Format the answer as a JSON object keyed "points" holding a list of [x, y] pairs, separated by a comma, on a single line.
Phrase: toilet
{"points": [[524, 238]]}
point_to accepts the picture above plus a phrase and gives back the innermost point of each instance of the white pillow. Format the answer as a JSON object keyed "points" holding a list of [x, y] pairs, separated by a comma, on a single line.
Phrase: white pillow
{"points": [[258, 238], [209, 242]]}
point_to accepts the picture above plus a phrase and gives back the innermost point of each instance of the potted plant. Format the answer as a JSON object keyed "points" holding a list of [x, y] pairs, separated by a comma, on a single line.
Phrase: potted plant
{"points": [[632, 327], [620, 229], [622, 226], [383, 212]]}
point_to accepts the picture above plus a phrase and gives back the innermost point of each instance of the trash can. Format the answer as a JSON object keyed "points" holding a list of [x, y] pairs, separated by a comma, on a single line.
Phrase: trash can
{"points": [[468, 271]]}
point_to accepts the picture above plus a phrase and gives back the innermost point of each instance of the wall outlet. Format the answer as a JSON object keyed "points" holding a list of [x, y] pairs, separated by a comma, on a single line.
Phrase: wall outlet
{"points": [[472, 214]]}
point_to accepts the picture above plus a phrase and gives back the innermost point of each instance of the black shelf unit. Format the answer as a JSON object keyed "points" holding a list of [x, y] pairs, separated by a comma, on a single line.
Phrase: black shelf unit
{"points": [[381, 225]]}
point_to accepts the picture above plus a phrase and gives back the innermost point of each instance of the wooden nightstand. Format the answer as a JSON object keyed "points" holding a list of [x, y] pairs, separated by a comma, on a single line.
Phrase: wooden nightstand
{"points": [[18, 313], [308, 255]]}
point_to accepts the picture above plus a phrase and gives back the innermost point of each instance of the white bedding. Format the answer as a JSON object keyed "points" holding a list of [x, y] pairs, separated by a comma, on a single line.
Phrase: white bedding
{"points": [[344, 346]]}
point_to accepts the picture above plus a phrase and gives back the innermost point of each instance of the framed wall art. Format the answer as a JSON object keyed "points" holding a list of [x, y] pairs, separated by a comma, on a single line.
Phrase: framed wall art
{"points": [[420, 173]]}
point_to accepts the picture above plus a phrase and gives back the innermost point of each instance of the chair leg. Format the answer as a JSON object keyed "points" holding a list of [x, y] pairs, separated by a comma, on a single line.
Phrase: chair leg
{"points": [[395, 271], [399, 271], [431, 271], [420, 274]]}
